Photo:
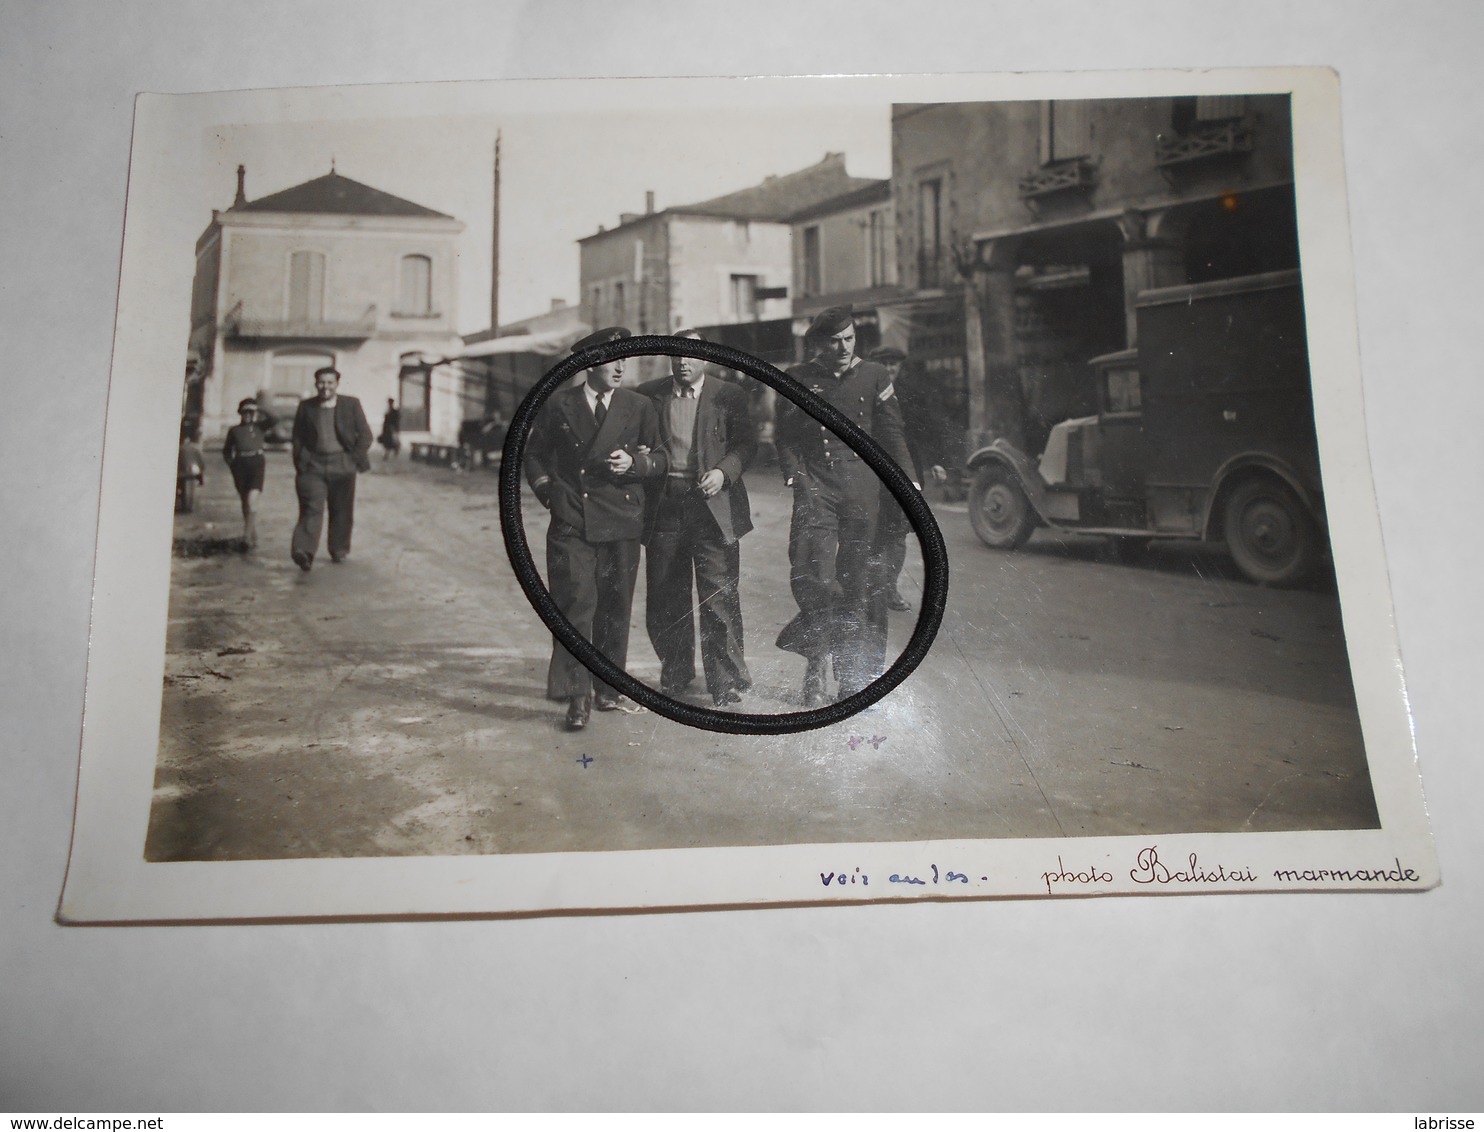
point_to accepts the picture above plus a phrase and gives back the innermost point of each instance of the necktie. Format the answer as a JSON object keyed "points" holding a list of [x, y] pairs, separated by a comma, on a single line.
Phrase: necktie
{"points": [[690, 392], [600, 410]]}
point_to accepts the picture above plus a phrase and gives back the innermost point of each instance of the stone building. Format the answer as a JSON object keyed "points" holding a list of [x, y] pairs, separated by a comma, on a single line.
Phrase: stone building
{"points": [[845, 254], [722, 262], [329, 271], [1025, 230]]}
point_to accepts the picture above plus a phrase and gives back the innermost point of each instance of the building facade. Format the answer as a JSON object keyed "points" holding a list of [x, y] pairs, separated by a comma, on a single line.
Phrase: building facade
{"points": [[722, 262], [1026, 230], [845, 254], [327, 272]]}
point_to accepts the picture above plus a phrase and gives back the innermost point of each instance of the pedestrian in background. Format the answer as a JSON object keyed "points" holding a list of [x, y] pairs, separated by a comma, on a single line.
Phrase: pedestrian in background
{"points": [[391, 431], [245, 453], [836, 498], [590, 448], [697, 514], [331, 443]]}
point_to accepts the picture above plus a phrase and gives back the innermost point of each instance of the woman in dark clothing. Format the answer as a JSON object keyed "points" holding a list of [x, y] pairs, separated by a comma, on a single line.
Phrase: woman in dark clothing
{"points": [[244, 453]]}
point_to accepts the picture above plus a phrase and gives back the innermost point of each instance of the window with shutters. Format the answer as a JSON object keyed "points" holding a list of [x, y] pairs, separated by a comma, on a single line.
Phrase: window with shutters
{"points": [[415, 286], [931, 250], [813, 266], [306, 298], [744, 298], [1066, 130], [878, 248]]}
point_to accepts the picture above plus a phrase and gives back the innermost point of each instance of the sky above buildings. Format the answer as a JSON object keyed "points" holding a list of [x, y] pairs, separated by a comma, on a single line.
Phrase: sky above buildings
{"points": [[564, 173]]}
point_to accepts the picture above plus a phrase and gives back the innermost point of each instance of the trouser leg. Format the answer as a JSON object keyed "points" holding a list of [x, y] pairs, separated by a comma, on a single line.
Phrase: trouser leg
{"points": [[851, 644], [312, 490], [342, 504], [571, 569], [718, 568], [617, 571], [813, 545], [668, 599]]}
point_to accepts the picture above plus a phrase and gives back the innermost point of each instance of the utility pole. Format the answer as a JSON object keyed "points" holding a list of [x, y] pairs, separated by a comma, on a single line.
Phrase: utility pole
{"points": [[495, 246]]}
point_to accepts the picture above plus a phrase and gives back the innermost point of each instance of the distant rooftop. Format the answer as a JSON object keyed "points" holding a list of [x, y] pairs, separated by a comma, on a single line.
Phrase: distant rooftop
{"points": [[870, 192], [779, 197], [333, 193]]}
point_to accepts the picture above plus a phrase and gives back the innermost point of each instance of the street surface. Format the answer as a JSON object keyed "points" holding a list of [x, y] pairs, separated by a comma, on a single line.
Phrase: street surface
{"points": [[395, 704]]}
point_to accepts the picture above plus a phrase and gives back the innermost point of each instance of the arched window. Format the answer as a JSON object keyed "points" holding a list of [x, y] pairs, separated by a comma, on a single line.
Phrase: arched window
{"points": [[306, 287], [415, 286]]}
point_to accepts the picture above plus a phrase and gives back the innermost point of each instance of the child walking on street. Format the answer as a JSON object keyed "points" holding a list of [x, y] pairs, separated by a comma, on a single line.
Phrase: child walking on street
{"points": [[244, 453]]}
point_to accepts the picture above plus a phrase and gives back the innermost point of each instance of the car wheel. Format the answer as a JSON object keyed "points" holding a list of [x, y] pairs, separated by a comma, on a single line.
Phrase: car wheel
{"points": [[1270, 534], [998, 508]]}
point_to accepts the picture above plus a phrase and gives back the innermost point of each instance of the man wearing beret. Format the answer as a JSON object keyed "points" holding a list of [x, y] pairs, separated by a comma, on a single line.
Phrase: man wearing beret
{"points": [[836, 499], [590, 449], [331, 442], [698, 512]]}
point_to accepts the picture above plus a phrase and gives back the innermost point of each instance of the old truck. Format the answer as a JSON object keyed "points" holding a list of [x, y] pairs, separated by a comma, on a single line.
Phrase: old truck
{"points": [[1205, 431]]}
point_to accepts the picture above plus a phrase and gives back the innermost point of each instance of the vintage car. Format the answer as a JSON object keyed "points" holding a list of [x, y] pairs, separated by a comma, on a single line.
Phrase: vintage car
{"points": [[1205, 431]]}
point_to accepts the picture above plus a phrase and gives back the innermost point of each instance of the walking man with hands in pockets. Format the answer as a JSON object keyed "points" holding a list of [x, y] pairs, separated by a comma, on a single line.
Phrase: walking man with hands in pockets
{"points": [[698, 513]]}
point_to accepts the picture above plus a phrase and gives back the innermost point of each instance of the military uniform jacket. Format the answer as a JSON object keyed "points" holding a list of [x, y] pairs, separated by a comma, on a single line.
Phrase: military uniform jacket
{"points": [[725, 439], [351, 429], [569, 452], [864, 393]]}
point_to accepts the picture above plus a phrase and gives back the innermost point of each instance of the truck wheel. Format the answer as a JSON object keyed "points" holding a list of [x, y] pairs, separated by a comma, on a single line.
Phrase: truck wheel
{"points": [[1269, 533], [998, 509]]}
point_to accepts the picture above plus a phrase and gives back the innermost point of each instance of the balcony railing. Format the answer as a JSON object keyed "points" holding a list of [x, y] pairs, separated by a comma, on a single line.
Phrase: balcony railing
{"points": [[236, 325], [1205, 141], [1079, 175]]}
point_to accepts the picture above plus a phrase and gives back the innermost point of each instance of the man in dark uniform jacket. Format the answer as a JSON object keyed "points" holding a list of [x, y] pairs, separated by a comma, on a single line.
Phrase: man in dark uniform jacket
{"points": [[591, 446], [331, 442], [697, 514], [836, 497]]}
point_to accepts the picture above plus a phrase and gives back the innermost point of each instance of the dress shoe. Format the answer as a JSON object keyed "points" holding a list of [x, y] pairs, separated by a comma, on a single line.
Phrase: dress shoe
{"points": [[896, 602], [578, 710], [608, 701], [303, 561], [339, 558], [727, 696], [673, 688]]}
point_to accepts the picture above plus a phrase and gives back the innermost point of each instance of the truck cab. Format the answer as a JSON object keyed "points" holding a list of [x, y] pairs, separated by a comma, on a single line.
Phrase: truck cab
{"points": [[1205, 431]]}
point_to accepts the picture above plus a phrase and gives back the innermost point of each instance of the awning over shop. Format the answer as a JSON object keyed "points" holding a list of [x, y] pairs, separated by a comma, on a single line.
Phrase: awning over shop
{"points": [[547, 344]]}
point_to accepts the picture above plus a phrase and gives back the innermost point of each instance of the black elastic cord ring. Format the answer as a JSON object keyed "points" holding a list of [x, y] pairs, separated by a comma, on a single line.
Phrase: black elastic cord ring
{"points": [[512, 526]]}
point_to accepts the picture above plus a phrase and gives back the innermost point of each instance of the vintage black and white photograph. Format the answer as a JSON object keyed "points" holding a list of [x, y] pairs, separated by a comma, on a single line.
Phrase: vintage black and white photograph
{"points": [[1104, 325]]}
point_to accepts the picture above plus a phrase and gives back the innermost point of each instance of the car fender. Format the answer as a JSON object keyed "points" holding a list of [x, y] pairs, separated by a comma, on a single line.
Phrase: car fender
{"points": [[1005, 454], [1258, 461]]}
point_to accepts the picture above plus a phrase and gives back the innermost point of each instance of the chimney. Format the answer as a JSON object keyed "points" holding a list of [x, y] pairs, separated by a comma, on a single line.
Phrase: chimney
{"points": [[241, 187], [558, 304], [627, 218], [649, 202]]}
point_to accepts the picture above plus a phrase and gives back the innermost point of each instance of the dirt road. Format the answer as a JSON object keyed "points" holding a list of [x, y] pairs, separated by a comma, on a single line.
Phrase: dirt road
{"points": [[394, 704]]}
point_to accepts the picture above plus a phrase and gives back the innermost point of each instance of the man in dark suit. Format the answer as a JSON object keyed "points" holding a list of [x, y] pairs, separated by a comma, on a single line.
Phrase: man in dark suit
{"points": [[697, 513], [331, 441], [836, 498], [591, 446]]}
